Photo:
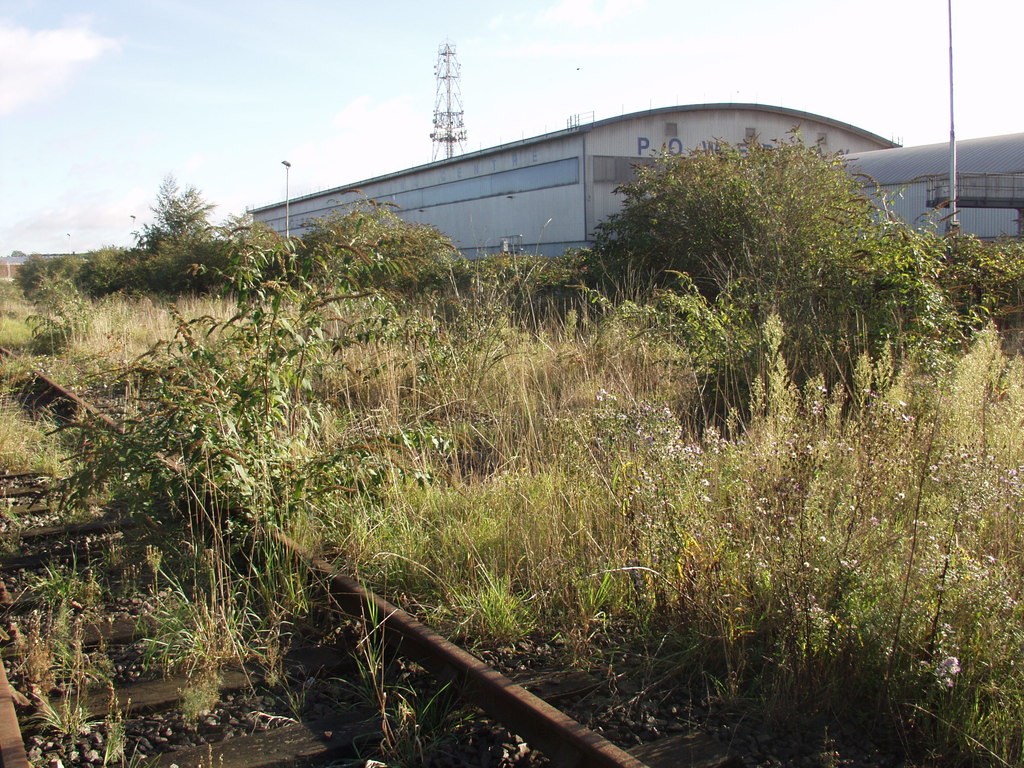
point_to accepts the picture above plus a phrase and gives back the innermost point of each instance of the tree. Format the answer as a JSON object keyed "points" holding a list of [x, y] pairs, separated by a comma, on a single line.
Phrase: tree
{"points": [[781, 230], [180, 216], [767, 214]]}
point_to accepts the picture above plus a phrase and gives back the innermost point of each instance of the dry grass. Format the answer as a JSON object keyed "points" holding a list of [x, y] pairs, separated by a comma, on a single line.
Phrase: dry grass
{"points": [[121, 329], [25, 445], [863, 542], [866, 542]]}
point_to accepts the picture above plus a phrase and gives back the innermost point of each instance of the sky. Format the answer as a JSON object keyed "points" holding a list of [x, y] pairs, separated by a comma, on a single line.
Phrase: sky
{"points": [[100, 101]]}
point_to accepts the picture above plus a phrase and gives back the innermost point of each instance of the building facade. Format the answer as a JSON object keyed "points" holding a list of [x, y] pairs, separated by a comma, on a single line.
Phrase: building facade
{"points": [[546, 194], [914, 182]]}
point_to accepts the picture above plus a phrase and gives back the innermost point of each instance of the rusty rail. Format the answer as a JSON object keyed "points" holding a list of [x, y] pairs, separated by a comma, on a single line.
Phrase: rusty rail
{"points": [[564, 741], [12, 748]]}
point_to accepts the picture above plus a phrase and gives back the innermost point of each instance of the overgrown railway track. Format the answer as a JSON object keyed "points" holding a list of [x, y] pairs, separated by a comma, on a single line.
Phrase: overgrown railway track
{"points": [[345, 731]]}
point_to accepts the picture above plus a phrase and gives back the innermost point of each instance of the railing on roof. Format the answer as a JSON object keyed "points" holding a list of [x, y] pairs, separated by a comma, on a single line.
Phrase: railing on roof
{"points": [[979, 190]]}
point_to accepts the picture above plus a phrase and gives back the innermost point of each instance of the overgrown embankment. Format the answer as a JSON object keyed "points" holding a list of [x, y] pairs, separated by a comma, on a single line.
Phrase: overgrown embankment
{"points": [[761, 425]]}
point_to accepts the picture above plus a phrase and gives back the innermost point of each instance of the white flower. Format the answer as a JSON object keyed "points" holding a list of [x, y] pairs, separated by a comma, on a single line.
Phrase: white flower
{"points": [[948, 668]]}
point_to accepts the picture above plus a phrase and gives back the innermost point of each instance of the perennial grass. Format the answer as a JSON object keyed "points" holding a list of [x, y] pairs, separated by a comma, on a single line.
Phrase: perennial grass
{"points": [[849, 546]]}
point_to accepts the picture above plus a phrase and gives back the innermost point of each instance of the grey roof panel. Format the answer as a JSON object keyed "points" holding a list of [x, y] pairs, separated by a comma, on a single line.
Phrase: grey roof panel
{"points": [[993, 154], [586, 127]]}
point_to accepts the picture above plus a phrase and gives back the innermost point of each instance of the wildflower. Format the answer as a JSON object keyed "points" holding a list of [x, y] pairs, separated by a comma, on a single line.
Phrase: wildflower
{"points": [[948, 668]]}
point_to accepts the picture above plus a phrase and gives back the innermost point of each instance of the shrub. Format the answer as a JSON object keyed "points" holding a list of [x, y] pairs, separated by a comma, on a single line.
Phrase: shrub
{"points": [[64, 315], [374, 235], [37, 269], [778, 230]]}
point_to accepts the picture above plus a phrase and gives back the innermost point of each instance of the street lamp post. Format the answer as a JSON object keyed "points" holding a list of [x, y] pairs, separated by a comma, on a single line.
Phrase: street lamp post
{"points": [[953, 222], [287, 199]]}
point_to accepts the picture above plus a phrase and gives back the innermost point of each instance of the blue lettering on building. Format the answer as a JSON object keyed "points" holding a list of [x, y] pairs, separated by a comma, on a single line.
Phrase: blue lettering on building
{"points": [[673, 147]]}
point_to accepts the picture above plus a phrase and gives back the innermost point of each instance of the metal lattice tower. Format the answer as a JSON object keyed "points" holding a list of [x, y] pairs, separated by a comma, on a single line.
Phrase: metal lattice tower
{"points": [[449, 128]]}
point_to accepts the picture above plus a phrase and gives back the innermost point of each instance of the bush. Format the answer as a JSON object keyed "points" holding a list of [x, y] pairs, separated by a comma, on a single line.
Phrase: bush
{"points": [[986, 280], [780, 230], [30, 275], [64, 315], [396, 254], [766, 215]]}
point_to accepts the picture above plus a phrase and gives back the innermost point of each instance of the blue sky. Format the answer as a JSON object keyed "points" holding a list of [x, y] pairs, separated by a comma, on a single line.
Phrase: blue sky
{"points": [[99, 101]]}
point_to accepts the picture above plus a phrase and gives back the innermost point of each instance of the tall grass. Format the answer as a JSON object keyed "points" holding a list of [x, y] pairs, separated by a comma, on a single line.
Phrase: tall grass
{"points": [[25, 445], [851, 547], [855, 549], [15, 331]]}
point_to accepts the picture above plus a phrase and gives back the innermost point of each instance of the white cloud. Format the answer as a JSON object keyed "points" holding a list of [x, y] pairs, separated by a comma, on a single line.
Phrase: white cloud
{"points": [[37, 62], [589, 13], [366, 138], [91, 220], [369, 138]]}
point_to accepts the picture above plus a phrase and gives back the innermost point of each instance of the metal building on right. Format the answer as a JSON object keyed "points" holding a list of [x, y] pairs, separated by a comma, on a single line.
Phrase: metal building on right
{"points": [[990, 183]]}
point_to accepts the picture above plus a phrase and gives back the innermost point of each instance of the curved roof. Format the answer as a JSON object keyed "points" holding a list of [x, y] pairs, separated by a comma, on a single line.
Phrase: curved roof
{"points": [[993, 154], [785, 111], [585, 127]]}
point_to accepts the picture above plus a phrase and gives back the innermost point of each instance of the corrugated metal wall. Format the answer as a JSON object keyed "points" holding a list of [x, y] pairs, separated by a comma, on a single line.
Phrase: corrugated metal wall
{"points": [[910, 203]]}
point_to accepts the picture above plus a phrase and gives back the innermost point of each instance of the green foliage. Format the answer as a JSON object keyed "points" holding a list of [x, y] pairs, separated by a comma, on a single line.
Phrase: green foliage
{"points": [[764, 215], [64, 314], [986, 280], [531, 287], [741, 234], [374, 234], [30, 275], [229, 428], [853, 541], [15, 332], [226, 405], [181, 215], [173, 268]]}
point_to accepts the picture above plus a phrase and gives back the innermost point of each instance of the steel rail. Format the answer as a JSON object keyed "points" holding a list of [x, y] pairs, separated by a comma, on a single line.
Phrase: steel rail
{"points": [[564, 741], [12, 747]]}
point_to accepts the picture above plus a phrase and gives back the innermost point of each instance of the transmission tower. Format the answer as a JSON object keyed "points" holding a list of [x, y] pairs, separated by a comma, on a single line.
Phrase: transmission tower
{"points": [[449, 128]]}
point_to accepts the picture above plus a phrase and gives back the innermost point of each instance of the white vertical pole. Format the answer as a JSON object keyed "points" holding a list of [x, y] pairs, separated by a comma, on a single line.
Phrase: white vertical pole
{"points": [[287, 199], [953, 222]]}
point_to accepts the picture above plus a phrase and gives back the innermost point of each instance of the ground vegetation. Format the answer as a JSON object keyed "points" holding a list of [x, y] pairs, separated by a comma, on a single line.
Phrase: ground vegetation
{"points": [[762, 427]]}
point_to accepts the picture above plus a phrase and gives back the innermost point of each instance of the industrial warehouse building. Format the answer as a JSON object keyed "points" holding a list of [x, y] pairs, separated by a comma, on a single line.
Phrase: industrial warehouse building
{"points": [[915, 183], [546, 194]]}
